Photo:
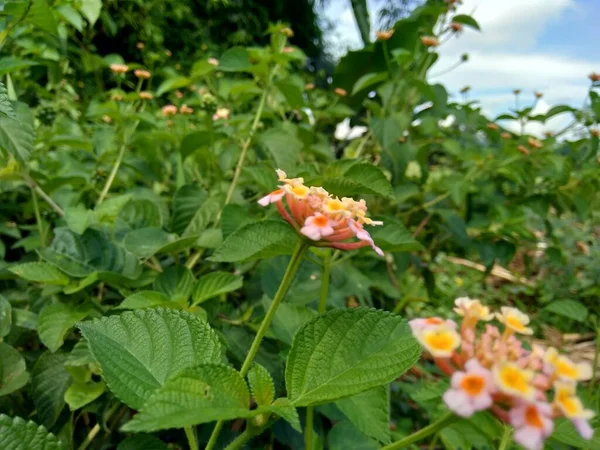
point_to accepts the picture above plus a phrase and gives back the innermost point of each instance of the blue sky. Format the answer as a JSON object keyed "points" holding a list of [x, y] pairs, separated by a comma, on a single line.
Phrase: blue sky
{"points": [[545, 45]]}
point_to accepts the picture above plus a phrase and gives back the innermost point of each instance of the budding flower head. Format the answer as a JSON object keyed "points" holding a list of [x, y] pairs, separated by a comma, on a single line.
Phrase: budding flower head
{"points": [[321, 217], [142, 74], [429, 41], [221, 113], [140, 45], [493, 371], [456, 27], [213, 61], [309, 86], [464, 57], [534, 143], [341, 92], [505, 135], [523, 150], [538, 94], [119, 68], [144, 95], [185, 109], [384, 35], [595, 77], [516, 91], [288, 49], [287, 31], [169, 110], [492, 126], [465, 89]]}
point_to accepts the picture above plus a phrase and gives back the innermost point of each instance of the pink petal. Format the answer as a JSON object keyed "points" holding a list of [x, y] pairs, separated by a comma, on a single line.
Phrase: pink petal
{"points": [[482, 401], [583, 428], [458, 402], [529, 437], [265, 200]]}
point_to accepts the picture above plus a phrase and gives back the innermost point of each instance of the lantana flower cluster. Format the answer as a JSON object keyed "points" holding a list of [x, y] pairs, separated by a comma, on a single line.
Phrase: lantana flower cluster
{"points": [[321, 217], [490, 369]]}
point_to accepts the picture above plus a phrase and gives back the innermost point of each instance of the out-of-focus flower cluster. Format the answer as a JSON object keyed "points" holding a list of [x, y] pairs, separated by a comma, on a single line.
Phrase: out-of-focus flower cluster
{"points": [[321, 217], [491, 370]]}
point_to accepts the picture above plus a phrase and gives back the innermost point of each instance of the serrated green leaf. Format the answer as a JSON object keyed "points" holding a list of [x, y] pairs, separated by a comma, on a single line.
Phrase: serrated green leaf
{"points": [[186, 202], [233, 218], [40, 14], [360, 179], [81, 355], [17, 434], [13, 375], [90, 10], [176, 282], [24, 319], [71, 15], [145, 242], [10, 64], [49, 382], [364, 347], [466, 20], [203, 216], [40, 272], [257, 240], [5, 104], [565, 432], [16, 135], [140, 213], [344, 436], [235, 59], [369, 412], [78, 218], [288, 318], [80, 394], [170, 84], [261, 385], [5, 316], [139, 350], [214, 284], [55, 320], [283, 146], [212, 392], [108, 211], [570, 309], [388, 130], [147, 299], [141, 441]]}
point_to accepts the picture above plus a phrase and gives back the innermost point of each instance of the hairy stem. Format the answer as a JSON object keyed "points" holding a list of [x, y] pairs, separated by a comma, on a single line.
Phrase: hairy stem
{"points": [[191, 438], [38, 218], [290, 272], [38, 190], [430, 429], [113, 174], [505, 438]]}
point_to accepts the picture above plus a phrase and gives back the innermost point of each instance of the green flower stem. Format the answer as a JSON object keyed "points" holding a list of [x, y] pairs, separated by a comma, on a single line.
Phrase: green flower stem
{"points": [[113, 174], [310, 414], [39, 191], [290, 272], [38, 218], [506, 438], [191, 438], [248, 434], [430, 429]]}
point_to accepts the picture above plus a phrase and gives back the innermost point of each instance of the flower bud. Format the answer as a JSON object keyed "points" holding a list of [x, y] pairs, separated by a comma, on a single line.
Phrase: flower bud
{"points": [[142, 74], [119, 68], [429, 41], [384, 35], [341, 92]]}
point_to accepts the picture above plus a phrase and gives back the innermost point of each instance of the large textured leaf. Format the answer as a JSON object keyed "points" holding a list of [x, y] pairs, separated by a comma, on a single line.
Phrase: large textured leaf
{"points": [[393, 236], [203, 216], [17, 434], [176, 282], [344, 436], [16, 135], [55, 320], [235, 59], [5, 104], [139, 350], [145, 242], [257, 240], [186, 202], [40, 14], [261, 385], [345, 352], [10, 64], [40, 272], [49, 382], [13, 375], [360, 179], [140, 213], [283, 146], [80, 394], [288, 318], [200, 394], [91, 10], [93, 251], [369, 412], [214, 284]]}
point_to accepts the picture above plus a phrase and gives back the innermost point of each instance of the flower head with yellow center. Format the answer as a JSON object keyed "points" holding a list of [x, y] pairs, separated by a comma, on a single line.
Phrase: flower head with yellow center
{"points": [[493, 370], [321, 217]]}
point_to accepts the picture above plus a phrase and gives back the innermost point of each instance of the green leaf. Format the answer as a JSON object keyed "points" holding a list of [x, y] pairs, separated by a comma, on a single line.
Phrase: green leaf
{"points": [[170, 84], [140, 213], [55, 320], [344, 436], [147, 299], [203, 216], [108, 211], [388, 130], [139, 350], [212, 392], [283, 146], [13, 375], [288, 318], [80, 394], [292, 91], [16, 135], [5, 317], [235, 59], [71, 15], [570, 309], [17, 434], [186, 202], [193, 141], [393, 236], [5, 104], [145, 242], [40, 14], [25, 319], [566, 433], [368, 80], [261, 385], [466, 20], [176, 282], [78, 218], [40, 272], [142, 441], [49, 382], [369, 412], [11, 64], [80, 355], [284, 409], [214, 284], [258, 240], [360, 179], [90, 10], [364, 348]]}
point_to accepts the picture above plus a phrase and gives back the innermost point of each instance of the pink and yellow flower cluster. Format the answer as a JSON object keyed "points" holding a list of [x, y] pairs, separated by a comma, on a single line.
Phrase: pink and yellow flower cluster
{"points": [[491, 370], [321, 217]]}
